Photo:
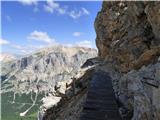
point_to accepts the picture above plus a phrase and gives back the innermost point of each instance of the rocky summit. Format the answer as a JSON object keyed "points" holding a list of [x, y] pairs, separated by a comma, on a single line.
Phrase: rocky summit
{"points": [[4, 57]]}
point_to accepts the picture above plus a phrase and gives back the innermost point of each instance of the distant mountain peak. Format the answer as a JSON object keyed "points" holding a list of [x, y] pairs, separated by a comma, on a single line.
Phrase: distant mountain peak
{"points": [[6, 57]]}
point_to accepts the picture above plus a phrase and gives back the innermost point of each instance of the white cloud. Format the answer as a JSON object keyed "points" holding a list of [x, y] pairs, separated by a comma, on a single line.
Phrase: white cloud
{"points": [[27, 49], [61, 10], [68, 45], [85, 11], [40, 36], [28, 2], [3, 42], [52, 6], [77, 14], [74, 14], [17, 46], [77, 34], [24, 51], [85, 43]]}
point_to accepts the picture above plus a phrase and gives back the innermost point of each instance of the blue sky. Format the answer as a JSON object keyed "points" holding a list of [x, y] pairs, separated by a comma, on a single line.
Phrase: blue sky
{"points": [[28, 25]]}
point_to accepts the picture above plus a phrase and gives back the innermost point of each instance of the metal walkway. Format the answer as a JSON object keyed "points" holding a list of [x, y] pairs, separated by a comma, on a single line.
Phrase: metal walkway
{"points": [[100, 103]]}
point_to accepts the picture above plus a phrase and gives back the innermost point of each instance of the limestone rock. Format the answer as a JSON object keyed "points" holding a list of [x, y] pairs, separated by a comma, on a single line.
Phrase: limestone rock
{"points": [[122, 37], [128, 40], [45, 68]]}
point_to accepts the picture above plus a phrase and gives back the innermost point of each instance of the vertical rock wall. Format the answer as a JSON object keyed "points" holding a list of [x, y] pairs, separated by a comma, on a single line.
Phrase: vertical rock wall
{"points": [[128, 30], [128, 38]]}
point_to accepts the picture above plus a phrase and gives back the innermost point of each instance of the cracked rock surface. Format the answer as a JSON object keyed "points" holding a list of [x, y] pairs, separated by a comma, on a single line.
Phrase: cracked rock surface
{"points": [[128, 40]]}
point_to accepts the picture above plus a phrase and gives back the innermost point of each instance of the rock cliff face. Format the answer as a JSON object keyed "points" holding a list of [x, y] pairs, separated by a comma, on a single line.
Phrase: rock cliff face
{"points": [[128, 40], [128, 33], [47, 64]]}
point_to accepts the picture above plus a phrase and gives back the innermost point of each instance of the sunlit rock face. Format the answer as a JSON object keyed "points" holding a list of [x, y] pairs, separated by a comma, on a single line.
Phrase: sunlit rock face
{"points": [[45, 68], [41, 78], [128, 40], [128, 33]]}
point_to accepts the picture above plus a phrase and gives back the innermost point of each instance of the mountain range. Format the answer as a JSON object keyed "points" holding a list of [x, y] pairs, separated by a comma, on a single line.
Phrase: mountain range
{"points": [[27, 80]]}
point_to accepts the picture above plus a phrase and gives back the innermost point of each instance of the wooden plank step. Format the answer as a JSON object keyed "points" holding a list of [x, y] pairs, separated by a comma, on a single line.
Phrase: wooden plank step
{"points": [[100, 103], [101, 90], [104, 87], [101, 97], [94, 115], [83, 118], [100, 93], [88, 118], [99, 107], [100, 115]]}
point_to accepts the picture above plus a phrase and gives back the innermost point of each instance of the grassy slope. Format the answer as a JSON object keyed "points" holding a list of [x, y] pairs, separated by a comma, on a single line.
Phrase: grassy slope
{"points": [[11, 111]]}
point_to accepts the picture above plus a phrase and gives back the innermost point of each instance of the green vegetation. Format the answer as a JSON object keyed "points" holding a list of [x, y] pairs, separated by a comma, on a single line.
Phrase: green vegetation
{"points": [[11, 111], [39, 54]]}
